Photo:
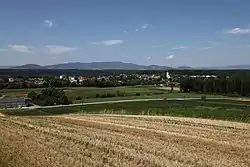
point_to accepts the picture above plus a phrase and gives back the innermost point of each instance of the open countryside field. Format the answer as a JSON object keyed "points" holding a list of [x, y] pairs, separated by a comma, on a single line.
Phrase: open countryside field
{"points": [[10, 93], [212, 109], [87, 94], [128, 141], [100, 94]]}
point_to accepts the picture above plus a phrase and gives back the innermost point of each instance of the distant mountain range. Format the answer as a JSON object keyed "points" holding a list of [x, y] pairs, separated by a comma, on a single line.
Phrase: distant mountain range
{"points": [[5, 67], [28, 66], [239, 67], [116, 65], [94, 66]]}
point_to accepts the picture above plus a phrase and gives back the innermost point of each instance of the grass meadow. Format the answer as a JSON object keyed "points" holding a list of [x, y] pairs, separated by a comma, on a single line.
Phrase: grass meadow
{"points": [[92, 93], [212, 109]]}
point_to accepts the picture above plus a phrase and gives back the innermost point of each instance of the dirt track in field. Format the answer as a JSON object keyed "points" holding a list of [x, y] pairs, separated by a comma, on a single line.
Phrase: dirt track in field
{"points": [[113, 140], [1, 115]]}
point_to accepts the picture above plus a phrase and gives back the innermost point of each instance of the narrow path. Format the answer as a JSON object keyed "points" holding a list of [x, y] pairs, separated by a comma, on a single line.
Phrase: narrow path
{"points": [[1, 115]]}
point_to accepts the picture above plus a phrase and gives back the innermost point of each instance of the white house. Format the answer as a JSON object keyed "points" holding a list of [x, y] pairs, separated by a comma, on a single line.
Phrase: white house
{"points": [[61, 76], [168, 75], [72, 79], [11, 80]]}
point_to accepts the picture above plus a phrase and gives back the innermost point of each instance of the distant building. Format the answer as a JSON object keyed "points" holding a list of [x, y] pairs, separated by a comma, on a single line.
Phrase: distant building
{"points": [[72, 79], [11, 80], [168, 75], [13, 103], [82, 79], [62, 76]]}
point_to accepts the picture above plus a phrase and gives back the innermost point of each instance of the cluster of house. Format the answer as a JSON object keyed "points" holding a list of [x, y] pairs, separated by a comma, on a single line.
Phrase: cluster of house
{"points": [[72, 79], [80, 79], [36, 81], [203, 76]]}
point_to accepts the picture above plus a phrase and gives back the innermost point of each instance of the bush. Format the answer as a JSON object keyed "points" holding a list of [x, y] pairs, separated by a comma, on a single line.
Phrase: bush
{"points": [[110, 95], [203, 98], [158, 93], [49, 96], [138, 94], [120, 94], [97, 95], [78, 98], [33, 95]]}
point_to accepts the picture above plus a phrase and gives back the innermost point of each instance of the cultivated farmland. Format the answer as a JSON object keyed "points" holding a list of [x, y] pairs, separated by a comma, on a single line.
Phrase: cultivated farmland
{"points": [[128, 141]]}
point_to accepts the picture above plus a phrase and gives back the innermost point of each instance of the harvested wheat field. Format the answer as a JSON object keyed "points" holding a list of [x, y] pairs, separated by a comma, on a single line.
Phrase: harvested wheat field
{"points": [[122, 141], [1, 115]]}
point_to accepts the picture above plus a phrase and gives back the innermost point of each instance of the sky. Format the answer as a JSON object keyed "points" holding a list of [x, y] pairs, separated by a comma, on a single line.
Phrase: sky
{"points": [[174, 33]]}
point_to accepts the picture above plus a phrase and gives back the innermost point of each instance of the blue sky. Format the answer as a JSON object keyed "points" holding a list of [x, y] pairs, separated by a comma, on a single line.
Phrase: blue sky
{"points": [[165, 32]]}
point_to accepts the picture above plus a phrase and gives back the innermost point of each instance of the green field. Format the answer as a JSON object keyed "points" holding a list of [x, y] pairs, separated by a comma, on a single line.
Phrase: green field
{"points": [[10, 93], [89, 94], [212, 109]]}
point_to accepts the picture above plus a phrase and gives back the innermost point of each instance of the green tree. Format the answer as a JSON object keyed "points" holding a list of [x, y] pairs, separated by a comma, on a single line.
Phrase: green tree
{"points": [[33, 95]]}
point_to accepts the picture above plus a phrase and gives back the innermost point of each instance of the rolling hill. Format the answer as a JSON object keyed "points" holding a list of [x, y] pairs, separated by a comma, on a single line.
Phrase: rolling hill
{"points": [[120, 65], [29, 66]]}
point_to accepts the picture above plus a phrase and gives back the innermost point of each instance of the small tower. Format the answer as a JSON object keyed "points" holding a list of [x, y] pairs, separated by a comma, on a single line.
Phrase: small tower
{"points": [[167, 75]]}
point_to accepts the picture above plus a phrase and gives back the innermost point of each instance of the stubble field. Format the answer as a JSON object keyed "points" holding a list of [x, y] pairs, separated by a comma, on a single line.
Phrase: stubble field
{"points": [[122, 141]]}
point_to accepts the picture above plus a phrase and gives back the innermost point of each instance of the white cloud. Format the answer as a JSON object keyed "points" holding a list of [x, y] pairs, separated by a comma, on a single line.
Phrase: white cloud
{"points": [[20, 48], [48, 23], [137, 29], [59, 49], [180, 47], [149, 57], [205, 48], [238, 31], [108, 42], [145, 26], [169, 57]]}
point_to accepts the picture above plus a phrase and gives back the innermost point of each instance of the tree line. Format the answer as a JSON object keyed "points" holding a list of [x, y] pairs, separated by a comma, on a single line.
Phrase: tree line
{"points": [[49, 96], [112, 81], [231, 86]]}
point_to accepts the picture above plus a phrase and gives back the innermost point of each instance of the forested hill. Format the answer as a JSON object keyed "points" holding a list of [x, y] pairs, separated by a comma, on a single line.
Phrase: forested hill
{"points": [[95, 66]]}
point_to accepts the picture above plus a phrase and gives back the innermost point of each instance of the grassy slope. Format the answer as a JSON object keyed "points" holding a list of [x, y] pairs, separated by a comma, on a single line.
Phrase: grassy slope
{"points": [[212, 109]]}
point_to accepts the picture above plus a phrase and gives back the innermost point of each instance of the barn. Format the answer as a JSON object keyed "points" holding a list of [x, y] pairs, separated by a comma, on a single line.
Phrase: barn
{"points": [[18, 102]]}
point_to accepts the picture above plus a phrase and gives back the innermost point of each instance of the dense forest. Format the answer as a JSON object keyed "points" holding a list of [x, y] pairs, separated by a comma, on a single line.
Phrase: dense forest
{"points": [[237, 85]]}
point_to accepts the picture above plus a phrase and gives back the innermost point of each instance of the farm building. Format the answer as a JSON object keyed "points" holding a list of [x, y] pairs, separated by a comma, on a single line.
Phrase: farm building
{"points": [[13, 103]]}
